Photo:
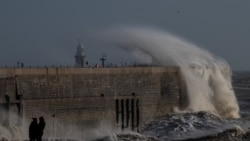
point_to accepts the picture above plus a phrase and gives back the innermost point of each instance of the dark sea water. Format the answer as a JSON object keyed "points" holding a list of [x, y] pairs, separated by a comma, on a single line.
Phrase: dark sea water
{"points": [[203, 125]]}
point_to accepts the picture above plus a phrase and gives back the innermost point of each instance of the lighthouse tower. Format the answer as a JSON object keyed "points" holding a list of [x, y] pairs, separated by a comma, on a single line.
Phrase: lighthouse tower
{"points": [[80, 55]]}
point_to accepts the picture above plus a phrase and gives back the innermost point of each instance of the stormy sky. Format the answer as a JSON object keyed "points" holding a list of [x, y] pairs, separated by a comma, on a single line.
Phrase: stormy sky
{"points": [[47, 32]]}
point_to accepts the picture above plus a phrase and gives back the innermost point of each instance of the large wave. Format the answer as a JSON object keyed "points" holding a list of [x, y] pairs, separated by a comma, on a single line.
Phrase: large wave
{"points": [[207, 78]]}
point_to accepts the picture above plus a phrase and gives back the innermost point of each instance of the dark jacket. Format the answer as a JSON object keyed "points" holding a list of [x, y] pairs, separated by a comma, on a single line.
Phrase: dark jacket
{"points": [[33, 129], [41, 126]]}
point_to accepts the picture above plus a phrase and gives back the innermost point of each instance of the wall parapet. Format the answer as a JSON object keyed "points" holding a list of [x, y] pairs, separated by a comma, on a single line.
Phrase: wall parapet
{"points": [[35, 71]]}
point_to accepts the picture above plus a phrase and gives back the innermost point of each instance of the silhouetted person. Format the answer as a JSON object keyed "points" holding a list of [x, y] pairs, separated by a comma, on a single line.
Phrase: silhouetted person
{"points": [[33, 128], [41, 127]]}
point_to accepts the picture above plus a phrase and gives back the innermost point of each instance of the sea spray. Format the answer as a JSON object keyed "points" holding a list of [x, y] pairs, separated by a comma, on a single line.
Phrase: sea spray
{"points": [[11, 129], [10, 133], [207, 78]]}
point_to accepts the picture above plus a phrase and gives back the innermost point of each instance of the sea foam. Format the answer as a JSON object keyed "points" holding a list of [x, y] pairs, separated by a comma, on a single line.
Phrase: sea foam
{"points": [[206, 77]]}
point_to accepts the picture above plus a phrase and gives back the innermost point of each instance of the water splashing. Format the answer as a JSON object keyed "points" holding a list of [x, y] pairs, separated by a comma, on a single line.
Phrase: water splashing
{"points": [[207, 78]]}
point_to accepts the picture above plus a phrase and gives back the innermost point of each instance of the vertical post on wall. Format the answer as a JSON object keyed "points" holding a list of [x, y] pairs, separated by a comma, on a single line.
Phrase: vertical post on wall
{"points": [[127, 113], [122, 113], [132, 114], [137, 115], [117, 110], [19, 104], [7, 108], [20, 111], [54, 132]]}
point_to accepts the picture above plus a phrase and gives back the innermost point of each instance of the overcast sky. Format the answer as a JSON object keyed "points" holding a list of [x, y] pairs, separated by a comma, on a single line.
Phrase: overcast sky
{"points": [[46, 32]]}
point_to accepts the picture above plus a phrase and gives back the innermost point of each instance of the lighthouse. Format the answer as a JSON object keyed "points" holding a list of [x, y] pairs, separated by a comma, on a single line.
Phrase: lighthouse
{"points": [[80, 55]]}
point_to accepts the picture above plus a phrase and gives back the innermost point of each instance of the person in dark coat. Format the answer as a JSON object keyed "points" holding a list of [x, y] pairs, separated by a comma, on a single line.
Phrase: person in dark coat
{"points": [[33, 128], [41, 127]]}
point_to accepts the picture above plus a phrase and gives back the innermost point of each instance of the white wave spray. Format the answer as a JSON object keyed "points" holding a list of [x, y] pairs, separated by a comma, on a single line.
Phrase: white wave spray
{"points": [[207, 78]]}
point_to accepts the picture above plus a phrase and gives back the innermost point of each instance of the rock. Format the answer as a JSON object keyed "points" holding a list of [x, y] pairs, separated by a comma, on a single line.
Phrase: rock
{"points": [[246, 136], [233, 134]]}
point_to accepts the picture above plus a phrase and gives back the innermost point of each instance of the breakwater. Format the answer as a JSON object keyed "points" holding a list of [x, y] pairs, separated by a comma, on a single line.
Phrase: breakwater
{"points": [[124, 98]]}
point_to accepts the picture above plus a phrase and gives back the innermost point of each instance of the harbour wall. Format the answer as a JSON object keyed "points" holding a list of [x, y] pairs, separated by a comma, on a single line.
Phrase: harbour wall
{"points": [[125, 98]]}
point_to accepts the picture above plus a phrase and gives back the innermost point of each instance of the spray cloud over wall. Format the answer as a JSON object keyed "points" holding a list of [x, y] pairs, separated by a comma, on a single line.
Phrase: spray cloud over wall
{"points": [[207, 77]]}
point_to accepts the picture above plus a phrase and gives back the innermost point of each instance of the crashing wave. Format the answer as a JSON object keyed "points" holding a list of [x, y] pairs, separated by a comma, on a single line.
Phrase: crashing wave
{"points": [[209, 90]]}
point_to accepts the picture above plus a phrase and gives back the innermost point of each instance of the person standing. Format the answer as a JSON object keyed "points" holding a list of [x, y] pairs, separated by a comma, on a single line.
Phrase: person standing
{"points": [[41, 127], [33, 128]]}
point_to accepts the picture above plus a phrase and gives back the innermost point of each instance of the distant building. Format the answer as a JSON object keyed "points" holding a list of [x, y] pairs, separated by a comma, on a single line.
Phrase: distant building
{"points": [[80, 55]]}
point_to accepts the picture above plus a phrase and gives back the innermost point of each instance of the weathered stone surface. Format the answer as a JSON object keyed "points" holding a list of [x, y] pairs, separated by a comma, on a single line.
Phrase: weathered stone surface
{"points": [[85, 94]]}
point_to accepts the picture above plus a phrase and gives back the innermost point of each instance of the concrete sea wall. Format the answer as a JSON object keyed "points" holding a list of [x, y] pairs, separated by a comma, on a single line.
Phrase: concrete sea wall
{"points": [[125, 98]]}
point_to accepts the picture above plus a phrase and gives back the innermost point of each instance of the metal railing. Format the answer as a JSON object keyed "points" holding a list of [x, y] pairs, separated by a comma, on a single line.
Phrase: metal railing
{"points": [[73, 66]]}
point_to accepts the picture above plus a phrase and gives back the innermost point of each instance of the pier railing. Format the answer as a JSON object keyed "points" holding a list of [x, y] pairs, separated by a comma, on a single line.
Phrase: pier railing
{"points": [[73, 66]]}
